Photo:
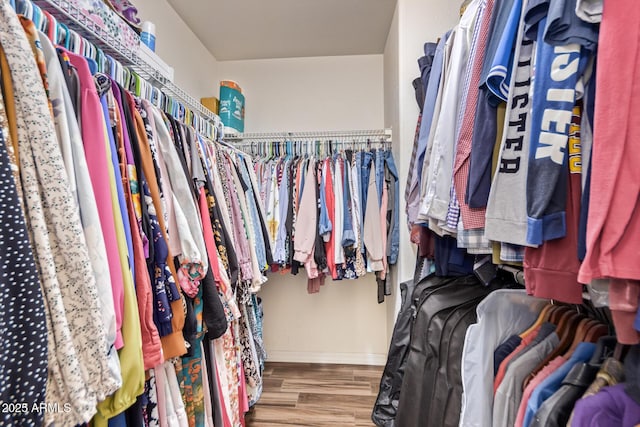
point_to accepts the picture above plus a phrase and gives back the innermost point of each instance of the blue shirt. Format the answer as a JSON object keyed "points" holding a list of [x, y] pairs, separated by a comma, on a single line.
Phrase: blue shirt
{"points": [[499, 76], [552, 383], [430, 98], [348, 235], [393, 243], [283, 206], [122, 203], [261, 253], [557, 72], [324, 222], [504, 350], [564, 26]]}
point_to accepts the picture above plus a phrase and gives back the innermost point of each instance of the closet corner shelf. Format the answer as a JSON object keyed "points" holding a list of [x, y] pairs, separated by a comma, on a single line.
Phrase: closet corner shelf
{"points": [[67, 12]]}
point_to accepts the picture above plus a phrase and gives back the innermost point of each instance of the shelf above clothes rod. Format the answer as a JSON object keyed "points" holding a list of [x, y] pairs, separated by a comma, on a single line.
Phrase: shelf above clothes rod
{"points": [[67, 12], [384, 134]]}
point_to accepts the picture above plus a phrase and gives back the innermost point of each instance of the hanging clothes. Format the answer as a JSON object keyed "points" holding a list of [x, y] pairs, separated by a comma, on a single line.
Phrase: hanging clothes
{"points": [[349, 204], [508, 147], [142, 263]]}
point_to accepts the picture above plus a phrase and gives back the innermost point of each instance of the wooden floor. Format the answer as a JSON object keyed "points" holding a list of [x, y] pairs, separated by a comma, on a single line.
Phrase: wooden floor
{"points": [[302, 394]]}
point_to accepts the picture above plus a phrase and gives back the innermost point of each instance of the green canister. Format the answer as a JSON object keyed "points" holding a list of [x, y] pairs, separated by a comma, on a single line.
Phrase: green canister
{"points": [[231, 106]]}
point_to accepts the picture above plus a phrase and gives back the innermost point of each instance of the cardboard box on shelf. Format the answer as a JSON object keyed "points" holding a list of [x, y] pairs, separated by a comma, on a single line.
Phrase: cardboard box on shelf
{"points": [[211, 103]]}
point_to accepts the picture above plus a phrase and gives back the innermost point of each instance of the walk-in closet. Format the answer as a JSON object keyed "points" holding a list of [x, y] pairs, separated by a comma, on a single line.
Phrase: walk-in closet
{"points": [[392, 213]]}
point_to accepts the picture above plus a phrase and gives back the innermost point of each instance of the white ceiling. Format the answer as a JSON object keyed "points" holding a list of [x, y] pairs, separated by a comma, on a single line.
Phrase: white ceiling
{"points": [[256, 29]]}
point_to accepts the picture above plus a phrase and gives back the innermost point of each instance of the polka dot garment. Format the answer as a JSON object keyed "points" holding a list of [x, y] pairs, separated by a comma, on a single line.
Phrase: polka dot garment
{"points": [[78, 371], [23, 354]]}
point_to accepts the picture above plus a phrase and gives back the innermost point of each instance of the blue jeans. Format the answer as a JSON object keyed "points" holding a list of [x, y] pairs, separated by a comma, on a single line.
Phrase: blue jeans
{"points": [[394, 231]]}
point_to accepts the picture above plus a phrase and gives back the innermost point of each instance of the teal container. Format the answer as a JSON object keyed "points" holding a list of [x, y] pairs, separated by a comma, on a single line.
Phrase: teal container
{"points": [[231, 106]]}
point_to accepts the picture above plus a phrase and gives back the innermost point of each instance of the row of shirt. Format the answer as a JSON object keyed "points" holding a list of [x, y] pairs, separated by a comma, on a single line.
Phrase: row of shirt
{"points": [[516, 154], [129, 260], [336, 216], [537, 364]]}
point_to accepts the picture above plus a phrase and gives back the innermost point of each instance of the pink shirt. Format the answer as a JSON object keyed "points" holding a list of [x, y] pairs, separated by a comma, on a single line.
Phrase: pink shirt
{"points": [[541, 376], [623, 302], [94, 139], [502, 370], [383, 229], [614, 220]]}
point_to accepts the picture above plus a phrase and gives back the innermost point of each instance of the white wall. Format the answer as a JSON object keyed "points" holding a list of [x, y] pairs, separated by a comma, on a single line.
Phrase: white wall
{"points": [[319, 93], [195, 67], [392, 120], [343, 323], [414, 23]]}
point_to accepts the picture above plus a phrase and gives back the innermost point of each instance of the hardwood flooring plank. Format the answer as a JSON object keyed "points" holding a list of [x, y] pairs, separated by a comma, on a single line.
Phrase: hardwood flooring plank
{"points": [[375, 389], [316, 395], [289, 373], [279, 398], [326, 400], [272, 383], [369, 372], [363, 417], [302, 416], [327, 387], [375, 383]]}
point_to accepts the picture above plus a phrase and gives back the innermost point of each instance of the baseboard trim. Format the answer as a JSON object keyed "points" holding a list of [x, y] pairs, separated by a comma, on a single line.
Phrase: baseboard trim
{"points": [[338, 358]]}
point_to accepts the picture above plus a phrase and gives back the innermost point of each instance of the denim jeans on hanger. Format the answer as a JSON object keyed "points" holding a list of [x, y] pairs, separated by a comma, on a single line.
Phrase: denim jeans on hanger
{"points": [[261, 251], [394, 242], [348, 235], [324, 222], [358, 156], [365, 169], [379, 165]]}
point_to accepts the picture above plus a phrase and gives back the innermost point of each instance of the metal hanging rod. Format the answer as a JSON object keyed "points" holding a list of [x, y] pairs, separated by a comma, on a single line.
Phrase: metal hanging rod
{"points": [[385, 134], [67, 12]]}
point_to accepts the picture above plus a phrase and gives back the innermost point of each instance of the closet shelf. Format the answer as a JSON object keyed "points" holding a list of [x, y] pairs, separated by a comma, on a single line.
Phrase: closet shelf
{"points": [[384, 134], [66, 11]]}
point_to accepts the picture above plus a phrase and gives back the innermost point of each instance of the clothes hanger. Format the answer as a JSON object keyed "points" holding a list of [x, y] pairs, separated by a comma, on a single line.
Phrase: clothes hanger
{"points": [[64, 35], [148, 90], [101, 60], [176, 108], [158, 97], [596, 331], [44, 22], [620, 351], [566, 327], [37, 17], [51, 27], [287, 150], [605, 347], [580, 335], [137, 85], [168, 105], [557, 312], [24, 7], [542, 317], [86, 49], [74, 42], [111, 67]]}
